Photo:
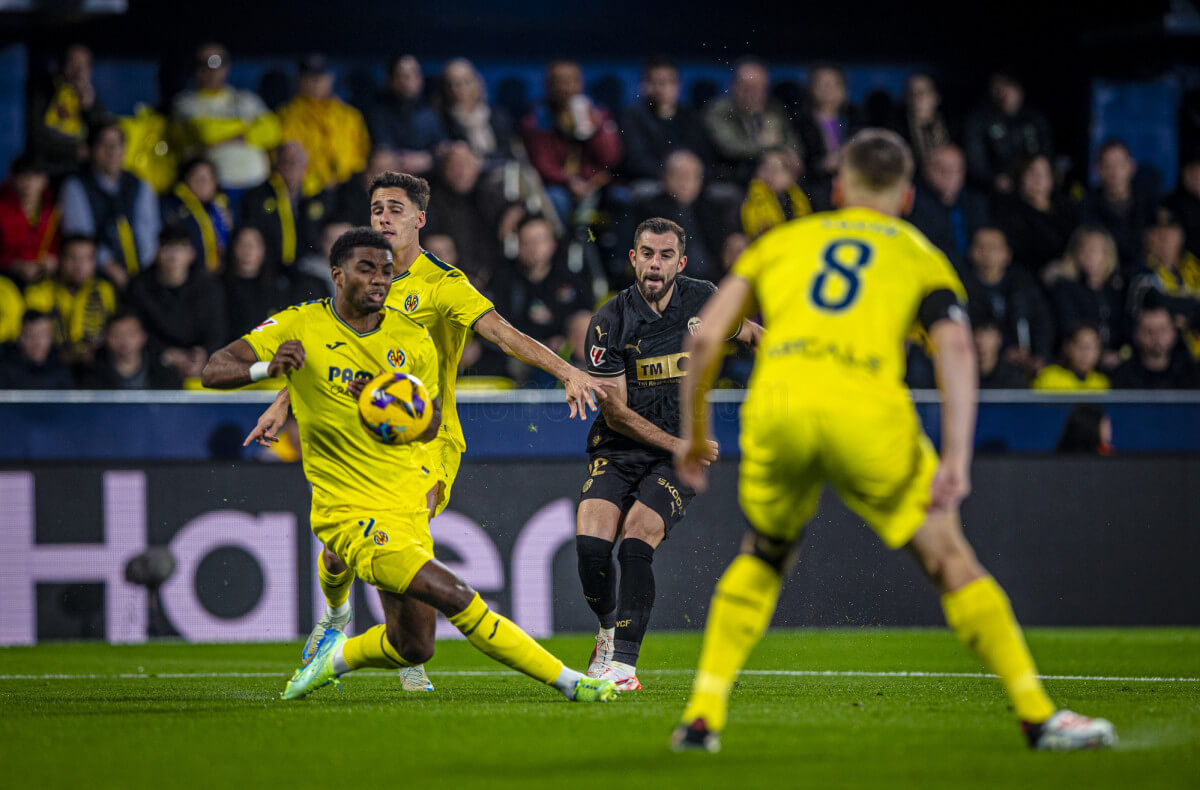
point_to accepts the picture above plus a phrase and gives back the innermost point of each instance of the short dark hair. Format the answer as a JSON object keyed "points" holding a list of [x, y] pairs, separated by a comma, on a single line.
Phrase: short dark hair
{"points": [[123, 314], [1110, 144], [880, 158], [173, 234], [662, 225], [27, 163], [345, 245], [29, 316], [1081, 326], [103, 125], [415, 187], [658, 62], [196, 161], [74, 238], [529, 219]]}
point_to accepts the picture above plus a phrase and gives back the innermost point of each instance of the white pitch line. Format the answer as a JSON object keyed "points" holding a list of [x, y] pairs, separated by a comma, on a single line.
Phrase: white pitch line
{"points": [[806, 673]]}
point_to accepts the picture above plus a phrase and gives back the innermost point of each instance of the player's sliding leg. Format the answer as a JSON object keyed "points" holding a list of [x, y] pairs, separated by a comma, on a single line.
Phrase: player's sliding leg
{"points": [[498, 637], [738, 616], [414, 617], [335, 579], [978, 611], [643, 531], [597, 523]]}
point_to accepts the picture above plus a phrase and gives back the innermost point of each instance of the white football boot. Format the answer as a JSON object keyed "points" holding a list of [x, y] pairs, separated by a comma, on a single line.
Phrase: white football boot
{"points": [[623, 676], [1067, 731], [601, 655], [415, 679]]}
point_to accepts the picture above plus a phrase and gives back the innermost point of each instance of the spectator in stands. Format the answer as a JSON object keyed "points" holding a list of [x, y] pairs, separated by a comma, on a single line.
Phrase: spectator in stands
{"points": [[735, 244], [1087, 431], [351, 200], [1089, 290], [466, 205], [576, 339], [31, 363], [12, 307], [1076, 369], [332, 132], [682, 199], [746, 122], [197, 205], [572, 143], [289, 220], [1002, 130], [180, 305], [232, 128], [125, 361], [29, 221], [1186, 202], [538, 294], [403, 121], [1159, 361], [252, 294], [921, 122], [113, 206], [1117, 205], [1012, 297], [828, 121], [945, 208], [468, 116], [774, 196], [63, 111], [1170, 276], [442, 247], [994, 372], [657, 124], [77, 299], [1036, 221]]}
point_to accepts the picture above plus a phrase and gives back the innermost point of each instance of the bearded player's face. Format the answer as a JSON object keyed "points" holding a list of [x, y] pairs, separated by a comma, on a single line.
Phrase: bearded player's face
{"points": [[656, 261]]}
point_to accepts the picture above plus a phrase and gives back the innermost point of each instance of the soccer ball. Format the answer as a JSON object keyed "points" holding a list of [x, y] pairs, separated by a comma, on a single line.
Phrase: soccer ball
{"points": [[395, 408]]}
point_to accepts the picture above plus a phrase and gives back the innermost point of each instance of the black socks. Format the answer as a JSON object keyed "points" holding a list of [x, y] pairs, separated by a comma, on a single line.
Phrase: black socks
{"points": [[637, 598]]}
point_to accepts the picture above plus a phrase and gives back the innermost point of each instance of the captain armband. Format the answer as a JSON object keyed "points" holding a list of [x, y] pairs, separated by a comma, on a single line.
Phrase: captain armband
{"points": [[941, 304]]}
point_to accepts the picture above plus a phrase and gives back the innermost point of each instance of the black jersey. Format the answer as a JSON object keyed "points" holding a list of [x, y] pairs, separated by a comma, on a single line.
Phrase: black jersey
{"points": [[627, 338]]}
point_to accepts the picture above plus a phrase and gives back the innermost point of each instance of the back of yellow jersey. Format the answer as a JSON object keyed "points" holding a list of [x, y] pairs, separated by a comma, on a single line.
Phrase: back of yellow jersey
{"points": [[442, 299], [839, 292], [346, 467]]}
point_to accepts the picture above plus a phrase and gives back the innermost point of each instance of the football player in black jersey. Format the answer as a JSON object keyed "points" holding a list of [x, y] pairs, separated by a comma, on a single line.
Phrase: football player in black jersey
{"points": [[631, 491]]}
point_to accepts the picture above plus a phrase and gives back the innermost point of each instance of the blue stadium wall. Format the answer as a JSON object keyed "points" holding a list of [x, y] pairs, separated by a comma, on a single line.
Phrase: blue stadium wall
{"points": [[1077, 541]]}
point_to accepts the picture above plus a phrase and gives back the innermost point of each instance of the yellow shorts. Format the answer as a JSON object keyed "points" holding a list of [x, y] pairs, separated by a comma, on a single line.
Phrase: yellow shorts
{"points": [[446, 459], [384, 549], [875, 455]]}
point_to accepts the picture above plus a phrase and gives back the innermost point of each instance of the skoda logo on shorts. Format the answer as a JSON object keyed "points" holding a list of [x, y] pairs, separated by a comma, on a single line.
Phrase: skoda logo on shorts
{"points": [[395, 357], [380, 537], [411, 301]]}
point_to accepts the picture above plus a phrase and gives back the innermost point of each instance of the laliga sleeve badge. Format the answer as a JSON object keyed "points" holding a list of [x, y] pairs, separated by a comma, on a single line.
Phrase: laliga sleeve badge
{"points": [[597, 355]]}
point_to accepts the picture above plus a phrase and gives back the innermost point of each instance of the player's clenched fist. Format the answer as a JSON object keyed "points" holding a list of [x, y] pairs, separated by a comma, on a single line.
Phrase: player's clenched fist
{"points": [[692, 459], [289, 357]]}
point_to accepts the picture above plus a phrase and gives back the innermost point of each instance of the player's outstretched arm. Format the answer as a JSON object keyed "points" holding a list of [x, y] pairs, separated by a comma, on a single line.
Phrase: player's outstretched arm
{"points": [[954, 363], [750, 333], [512, 341], [628, 422], [235, 365], [270, 421], [724, 311]]}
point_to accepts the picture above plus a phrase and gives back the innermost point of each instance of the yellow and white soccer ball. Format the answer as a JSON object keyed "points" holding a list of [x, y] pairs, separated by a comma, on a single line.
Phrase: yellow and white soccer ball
{"points": [[395, 408]]}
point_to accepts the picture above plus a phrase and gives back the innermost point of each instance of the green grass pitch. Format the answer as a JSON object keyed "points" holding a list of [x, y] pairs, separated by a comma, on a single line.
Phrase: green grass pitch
{"points": [[172, 715]]}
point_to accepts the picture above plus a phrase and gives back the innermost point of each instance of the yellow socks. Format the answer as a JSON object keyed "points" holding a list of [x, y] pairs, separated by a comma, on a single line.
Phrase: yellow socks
{"points": [[980, 614], [741, 609], [500, 638], [371, 649], [336, 586]]}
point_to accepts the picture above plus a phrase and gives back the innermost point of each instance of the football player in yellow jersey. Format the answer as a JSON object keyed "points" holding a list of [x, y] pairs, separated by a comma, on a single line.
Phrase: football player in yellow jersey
{"points": [[838, 293], [370, 501], [442, 299]]}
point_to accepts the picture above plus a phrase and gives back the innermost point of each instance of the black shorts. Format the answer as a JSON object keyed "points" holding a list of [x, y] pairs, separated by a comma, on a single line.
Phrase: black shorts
{"points": [[623, 480]]}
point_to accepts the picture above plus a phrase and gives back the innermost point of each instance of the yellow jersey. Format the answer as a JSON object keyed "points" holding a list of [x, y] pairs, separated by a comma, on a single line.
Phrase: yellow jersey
{"points": [[346, 467], [839, 292], [1056, 378], [441, 298]]}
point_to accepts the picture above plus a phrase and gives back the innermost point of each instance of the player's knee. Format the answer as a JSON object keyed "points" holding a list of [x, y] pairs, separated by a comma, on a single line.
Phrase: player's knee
{"points": [[333, 563], [646, 526], [949, 563], [780, 554]]}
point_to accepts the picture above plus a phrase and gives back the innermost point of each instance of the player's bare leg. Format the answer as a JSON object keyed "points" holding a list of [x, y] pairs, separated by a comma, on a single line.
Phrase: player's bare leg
{"points": [[335, 579], [642, 532], [597, 524], [414, 678], [979, 613]]}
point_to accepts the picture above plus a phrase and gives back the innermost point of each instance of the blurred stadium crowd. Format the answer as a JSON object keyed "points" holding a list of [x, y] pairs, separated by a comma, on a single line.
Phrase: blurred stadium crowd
{"points": [[131, 248]]}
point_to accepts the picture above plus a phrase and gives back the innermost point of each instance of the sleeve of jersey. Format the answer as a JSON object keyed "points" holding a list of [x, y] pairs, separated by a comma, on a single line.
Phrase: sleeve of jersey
{"points": [[426, 368], [266, 338], [940, 275], [603, 356], [459, 301]]}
